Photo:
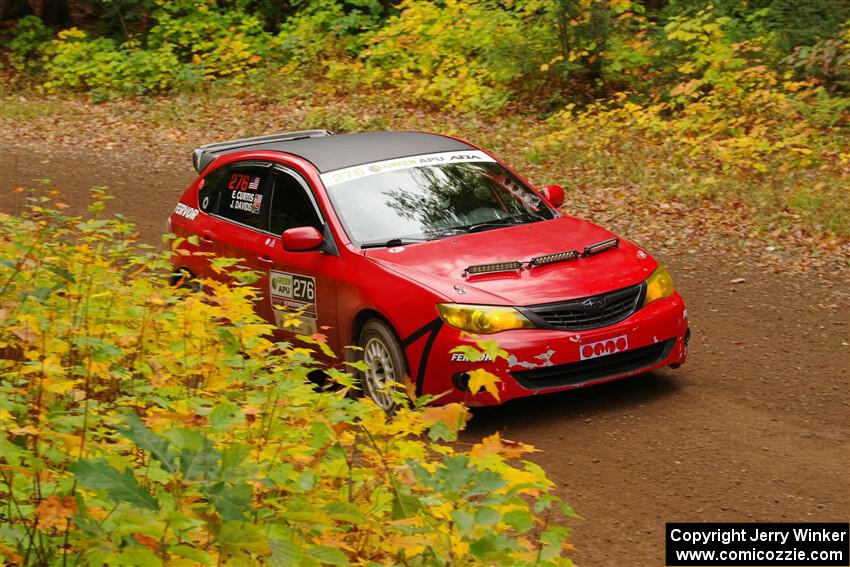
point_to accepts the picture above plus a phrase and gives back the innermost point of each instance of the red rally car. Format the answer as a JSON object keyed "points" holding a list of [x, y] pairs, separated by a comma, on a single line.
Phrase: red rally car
{"points": [[410, 245]]}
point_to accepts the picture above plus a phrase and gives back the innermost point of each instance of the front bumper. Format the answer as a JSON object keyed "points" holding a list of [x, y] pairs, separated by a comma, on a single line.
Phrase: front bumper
{"points": [[542, 361]]}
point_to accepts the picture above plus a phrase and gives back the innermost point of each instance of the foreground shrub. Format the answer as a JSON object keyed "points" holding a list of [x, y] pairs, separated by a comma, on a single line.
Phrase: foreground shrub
{"points": [[145, 425]]}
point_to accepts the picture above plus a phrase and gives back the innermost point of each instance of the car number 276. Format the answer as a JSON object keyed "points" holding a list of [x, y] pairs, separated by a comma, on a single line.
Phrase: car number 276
{"points": [[304, 288]]}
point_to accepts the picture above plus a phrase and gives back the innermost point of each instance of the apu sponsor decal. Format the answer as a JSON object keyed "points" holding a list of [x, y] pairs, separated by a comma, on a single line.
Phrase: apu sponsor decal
{"points": [[294, 292], [332, 178], [186, 211], [603, 348]]}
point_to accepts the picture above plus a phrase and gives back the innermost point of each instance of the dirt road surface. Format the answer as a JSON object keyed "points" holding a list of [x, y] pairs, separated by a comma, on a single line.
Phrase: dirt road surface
{"points": [[755, 427]]}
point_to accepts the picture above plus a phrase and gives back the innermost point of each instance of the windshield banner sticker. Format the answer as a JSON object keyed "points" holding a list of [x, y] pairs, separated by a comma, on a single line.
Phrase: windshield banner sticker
{"points": [[294, 293], [359, 171]]}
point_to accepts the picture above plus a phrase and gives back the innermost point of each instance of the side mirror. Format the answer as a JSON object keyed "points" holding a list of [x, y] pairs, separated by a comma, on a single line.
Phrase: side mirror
{"points": [[302, 238], [554, 194]]}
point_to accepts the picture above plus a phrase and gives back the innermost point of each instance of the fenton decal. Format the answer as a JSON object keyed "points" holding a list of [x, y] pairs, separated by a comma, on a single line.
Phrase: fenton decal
{"points": [[603, 348], [461, 357]]}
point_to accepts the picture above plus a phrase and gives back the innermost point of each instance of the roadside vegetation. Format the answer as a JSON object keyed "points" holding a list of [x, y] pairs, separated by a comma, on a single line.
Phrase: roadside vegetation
{"points": [[148, 425], [719, 99]]}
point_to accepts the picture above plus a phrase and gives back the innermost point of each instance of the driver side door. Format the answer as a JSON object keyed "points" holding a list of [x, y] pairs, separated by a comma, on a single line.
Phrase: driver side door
{"points": [[301, 283]]}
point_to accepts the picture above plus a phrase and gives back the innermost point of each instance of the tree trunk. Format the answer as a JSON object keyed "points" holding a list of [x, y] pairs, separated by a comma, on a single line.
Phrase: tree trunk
{"points": [[56, 13], [14, 9]]}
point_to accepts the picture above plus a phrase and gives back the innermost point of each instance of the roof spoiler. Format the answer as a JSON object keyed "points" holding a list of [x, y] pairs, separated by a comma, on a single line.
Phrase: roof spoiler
{"points": [[204, 155]]}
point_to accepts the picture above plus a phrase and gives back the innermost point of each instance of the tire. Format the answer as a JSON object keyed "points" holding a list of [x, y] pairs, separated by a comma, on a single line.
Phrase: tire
{"points": [[385, 358], [183, 278]]}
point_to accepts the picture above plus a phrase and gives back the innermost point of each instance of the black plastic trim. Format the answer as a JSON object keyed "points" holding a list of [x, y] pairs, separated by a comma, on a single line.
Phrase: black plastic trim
{"points": [[579, 373], [533, 312], [433, 328]]}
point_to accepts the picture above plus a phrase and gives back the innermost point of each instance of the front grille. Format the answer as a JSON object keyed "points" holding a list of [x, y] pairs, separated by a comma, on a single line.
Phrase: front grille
{"points": [[576, 315], [577, 373]]}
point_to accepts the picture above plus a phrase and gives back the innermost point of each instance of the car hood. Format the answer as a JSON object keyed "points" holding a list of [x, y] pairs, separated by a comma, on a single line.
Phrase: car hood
{"points": [[440, 264]]}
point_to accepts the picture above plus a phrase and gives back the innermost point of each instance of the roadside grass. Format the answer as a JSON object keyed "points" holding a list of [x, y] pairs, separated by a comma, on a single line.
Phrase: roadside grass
{"points": [[21, 108]]}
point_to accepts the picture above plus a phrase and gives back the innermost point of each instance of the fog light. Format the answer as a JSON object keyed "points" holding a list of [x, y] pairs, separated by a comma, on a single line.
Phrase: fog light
{"points": [[461, 381]]}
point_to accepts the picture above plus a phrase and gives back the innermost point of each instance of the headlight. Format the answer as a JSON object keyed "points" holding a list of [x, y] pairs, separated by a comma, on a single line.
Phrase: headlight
{"points": [[659, 285], [482, 319]]}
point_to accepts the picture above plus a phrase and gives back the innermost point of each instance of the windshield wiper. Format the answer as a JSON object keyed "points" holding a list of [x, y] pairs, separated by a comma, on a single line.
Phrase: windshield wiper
{"points": [[491, 224], [393, 242]]}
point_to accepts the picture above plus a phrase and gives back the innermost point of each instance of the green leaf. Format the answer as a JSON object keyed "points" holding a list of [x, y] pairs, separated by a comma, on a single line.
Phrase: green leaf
{"points": [[491, 348], [521, 520], [285, 552], [193, 553], [236, 536], [230, 501], [328, 555], [199, 459], [404, 506], [225, 416], [133, 556], [569, 512], [306, 481], [484, 483], [121, 487], [486, 517], [232, 457], [344, 512], [463, 520], [482, 548], [144, 438]]}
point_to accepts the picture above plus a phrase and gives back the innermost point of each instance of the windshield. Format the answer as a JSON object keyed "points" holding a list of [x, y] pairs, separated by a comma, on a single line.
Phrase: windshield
{"points": [[424, 202]]}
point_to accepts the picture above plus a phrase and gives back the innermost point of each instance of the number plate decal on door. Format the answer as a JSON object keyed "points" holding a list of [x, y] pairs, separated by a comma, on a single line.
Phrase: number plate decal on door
{"points": [[293, 294]]}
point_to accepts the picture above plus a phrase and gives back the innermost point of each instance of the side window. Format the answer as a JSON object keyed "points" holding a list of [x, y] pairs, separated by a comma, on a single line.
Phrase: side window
{"points": [[291, 206], [245, 195], [210, 189]]}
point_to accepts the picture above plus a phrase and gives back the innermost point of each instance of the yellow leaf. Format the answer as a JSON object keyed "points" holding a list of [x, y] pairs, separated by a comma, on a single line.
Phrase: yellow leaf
{"points": [[480, 378], [454, 415], [54, 513], [494, 444]]}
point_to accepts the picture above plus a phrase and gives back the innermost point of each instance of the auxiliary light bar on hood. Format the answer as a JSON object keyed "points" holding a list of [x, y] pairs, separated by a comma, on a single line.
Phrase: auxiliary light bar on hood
{"points": [[544, 260]]}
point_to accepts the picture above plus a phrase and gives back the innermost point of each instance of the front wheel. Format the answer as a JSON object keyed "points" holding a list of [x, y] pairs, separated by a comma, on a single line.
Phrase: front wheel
{"points": [[384, 359]]}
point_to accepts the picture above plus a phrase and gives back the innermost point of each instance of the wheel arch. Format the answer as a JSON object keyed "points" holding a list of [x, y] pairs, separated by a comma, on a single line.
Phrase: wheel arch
{"points": [[360, 320]]}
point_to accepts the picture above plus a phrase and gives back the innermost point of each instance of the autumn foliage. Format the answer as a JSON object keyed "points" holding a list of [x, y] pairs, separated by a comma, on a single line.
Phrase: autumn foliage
{"points": [[699, 101], [148, 425]]}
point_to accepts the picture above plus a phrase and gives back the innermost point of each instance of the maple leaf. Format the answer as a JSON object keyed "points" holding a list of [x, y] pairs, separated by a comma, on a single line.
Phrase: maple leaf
{"points": [[480, 378], [454, 416], [147, 541], [495, 445], [53, 513]]}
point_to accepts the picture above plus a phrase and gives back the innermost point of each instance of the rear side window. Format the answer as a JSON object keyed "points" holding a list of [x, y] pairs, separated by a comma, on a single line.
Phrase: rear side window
{"points": [[291, 205], [210, 189], [244, 195]]}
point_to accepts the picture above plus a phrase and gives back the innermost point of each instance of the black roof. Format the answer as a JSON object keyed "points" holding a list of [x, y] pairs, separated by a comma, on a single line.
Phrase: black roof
{"points": [[331, 152]]}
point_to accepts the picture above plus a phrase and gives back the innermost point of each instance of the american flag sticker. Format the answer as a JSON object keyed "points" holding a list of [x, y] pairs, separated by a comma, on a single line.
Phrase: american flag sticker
{"points": [[258, 199], [255, 183]]}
